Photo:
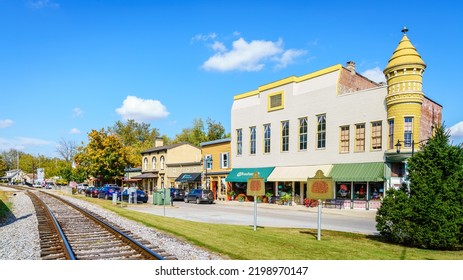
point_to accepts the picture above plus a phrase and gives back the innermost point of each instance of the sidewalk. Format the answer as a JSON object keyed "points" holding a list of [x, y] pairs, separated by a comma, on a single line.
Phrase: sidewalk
{"points": [[300, 208]]}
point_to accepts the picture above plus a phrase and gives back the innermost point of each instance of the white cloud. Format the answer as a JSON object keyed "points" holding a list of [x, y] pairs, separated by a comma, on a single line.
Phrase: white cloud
{"points": [[40, 4], [218, 47], [249, 56], [288, 57], [142, 109], [6, 123], [375, 75], [22, 143], [77, 112], [74, 131], [456, 131], [203, 37]]}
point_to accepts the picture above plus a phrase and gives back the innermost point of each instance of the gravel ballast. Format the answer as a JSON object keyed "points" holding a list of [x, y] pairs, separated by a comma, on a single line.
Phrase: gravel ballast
{"points": [[19, 239]]}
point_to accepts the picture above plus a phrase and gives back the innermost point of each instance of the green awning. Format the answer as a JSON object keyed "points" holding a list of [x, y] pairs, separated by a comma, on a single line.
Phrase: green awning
{"points": [[242, 175], [358, 172]]}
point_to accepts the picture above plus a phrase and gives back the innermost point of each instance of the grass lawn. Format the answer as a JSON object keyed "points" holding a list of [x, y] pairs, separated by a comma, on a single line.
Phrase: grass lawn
{"points": [[5, 205], [243, 243]]}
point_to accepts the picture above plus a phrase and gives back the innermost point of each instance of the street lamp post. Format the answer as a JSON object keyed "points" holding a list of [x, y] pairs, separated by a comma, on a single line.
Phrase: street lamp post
{"points": [[207, 160]]}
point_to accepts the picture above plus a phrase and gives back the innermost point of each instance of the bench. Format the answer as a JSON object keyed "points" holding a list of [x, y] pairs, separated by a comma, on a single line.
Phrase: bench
{"points": [[334, 203]]}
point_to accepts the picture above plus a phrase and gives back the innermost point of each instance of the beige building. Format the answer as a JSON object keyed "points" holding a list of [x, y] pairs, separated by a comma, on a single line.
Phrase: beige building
{"points": [[163, 164], [336, 121]]}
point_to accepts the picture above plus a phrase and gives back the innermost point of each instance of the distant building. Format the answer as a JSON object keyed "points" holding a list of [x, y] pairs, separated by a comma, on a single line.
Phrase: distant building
{"points": [[163, 164], [356, 131], [15, 176]]}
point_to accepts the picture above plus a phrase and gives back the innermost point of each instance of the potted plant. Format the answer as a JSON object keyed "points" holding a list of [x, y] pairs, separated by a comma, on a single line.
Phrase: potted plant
{"points": [[269, 195], [258, 199], [231, 194]]}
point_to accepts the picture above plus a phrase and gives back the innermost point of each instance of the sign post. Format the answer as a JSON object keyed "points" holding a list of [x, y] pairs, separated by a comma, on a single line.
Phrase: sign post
{"points": [[320, 187], [256, 187]]}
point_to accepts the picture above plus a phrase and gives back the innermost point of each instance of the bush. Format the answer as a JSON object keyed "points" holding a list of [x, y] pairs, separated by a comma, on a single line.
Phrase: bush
{"points": [[431, 215]]}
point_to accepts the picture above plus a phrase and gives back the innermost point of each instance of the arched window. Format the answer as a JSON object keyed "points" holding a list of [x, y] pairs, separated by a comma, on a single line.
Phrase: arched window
{"points": [[162, 162], [154, 163], [145, 163]]}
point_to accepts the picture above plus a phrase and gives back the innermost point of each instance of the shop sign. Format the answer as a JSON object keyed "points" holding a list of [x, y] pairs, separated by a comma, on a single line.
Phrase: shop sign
{"points": [[320, 187], [256, 185]]}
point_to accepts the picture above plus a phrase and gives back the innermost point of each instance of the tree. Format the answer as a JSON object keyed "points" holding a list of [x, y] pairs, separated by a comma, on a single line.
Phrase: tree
{"points": [[104, 156], [66, 149], [197, 134], [431, 214], [136, 137]]}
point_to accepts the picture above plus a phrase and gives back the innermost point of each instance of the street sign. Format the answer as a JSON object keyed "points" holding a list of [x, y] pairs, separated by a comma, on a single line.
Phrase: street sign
{"points": [[320, 187], [256, 185]]}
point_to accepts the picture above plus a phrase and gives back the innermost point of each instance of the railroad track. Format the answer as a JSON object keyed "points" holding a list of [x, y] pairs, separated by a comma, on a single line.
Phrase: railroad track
{"points": [[69, 232]]}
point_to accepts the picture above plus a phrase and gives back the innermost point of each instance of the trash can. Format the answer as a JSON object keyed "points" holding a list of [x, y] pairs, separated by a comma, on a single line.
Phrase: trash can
{"points": [[158, 197], [155, 197]]}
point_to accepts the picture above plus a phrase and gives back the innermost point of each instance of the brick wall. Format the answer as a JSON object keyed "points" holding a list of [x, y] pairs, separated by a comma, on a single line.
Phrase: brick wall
{"points": [[431, 115], [349, 82]]}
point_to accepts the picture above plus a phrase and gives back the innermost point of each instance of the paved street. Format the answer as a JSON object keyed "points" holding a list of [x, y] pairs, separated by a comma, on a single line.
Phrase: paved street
{"points": [[268, 215]]}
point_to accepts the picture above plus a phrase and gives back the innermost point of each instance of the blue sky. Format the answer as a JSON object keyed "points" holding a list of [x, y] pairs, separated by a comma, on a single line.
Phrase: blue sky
{"points": [[67, 67]]}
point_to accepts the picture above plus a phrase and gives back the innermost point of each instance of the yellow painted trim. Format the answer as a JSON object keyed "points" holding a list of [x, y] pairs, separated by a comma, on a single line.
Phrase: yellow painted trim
{"points": [[292, 79], [282, 106]]}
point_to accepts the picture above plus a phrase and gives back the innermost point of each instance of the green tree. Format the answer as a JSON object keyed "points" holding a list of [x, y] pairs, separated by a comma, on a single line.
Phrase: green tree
{"points": [[3, 167], [136, 137], [103, 157], [431, 214], [197, 134]]}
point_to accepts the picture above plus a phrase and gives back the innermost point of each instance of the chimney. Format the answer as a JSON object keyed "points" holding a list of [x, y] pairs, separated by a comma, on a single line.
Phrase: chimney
{"points": [[158, 142], [351, 67]]}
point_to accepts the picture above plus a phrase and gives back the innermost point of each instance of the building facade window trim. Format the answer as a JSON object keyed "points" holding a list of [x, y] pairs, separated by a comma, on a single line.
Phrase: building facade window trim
{"points": [[359, 137], [303, 133], [252, 140], [276, 101], [162, 162], [285, 136], [239, 142], [408, 131], [344, 139], [391, 133], [224, 160], [267, 138], [376, 135], [321, 131], [145, 163]]}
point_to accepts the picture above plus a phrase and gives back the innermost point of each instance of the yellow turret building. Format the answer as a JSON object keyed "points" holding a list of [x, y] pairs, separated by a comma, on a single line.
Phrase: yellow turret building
{"points": [[411, 116]]}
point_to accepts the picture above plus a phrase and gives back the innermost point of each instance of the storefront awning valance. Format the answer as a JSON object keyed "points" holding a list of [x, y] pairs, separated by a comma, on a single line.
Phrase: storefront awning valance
{"points": [[297, 173], [148, 175], [189, 177], [358, 172], [241, 175]]}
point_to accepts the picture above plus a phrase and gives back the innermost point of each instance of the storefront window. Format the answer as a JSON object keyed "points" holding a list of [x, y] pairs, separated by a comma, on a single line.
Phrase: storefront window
{"points": [[360, 191], [343, 191], [376, 191]]}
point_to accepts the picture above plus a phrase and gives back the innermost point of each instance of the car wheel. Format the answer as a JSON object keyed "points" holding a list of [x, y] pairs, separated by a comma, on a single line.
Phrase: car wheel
{"points": [[186, 200], [197, 200], [106, 197]]}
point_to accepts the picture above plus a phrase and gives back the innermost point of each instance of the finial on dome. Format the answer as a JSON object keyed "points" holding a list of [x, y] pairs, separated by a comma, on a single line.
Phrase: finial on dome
{"points": [[405, 30]]}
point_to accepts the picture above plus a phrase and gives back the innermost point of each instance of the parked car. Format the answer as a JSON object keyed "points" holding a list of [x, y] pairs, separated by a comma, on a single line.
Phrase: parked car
{"points": [[141, 196], [177, 194], [199, 196], [108, 190], [82, 187], [92, 192]]}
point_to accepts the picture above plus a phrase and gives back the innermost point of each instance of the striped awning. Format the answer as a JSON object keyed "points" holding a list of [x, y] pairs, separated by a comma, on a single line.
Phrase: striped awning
{"points": [[358, 172], [297, 173]]}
